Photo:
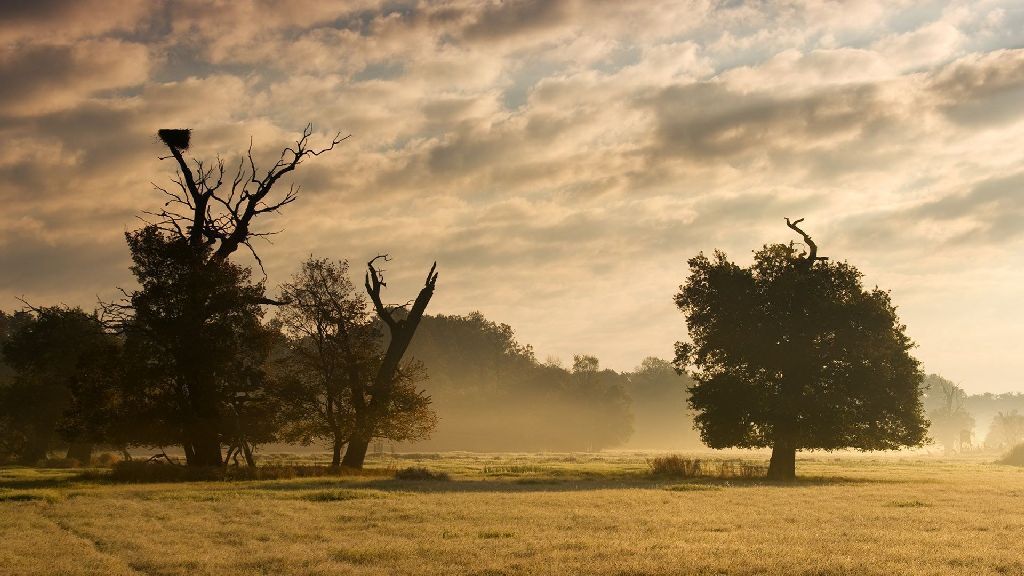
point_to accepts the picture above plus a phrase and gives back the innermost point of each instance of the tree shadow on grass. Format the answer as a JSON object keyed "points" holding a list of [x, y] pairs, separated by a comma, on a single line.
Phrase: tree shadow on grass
{"points": [[548, 484], [383, 480]]}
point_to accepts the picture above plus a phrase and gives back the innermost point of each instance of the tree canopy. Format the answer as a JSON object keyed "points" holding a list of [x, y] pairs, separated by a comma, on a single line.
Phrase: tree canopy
{"points": [[793, 352]]}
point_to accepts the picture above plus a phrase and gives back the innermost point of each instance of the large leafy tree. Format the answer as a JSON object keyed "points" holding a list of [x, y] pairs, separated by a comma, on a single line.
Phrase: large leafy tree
{"points": [[56, 353], [792, 353], [195, 348]]}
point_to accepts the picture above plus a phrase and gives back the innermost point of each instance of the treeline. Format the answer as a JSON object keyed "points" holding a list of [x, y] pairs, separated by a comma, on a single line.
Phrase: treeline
{"points": [[69, 384], [492, 394], [962, 422], [325, 369]]}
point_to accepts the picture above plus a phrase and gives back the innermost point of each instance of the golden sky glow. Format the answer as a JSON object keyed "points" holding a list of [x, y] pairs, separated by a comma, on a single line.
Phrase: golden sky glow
{"points": [[561, 160]]}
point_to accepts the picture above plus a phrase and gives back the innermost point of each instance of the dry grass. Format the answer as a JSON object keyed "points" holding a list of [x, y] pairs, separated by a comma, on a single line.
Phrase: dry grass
{"points": [[527, 514], [676, 466]]}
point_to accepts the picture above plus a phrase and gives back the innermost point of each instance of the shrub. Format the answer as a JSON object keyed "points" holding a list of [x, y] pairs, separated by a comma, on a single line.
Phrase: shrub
{"points": [[1015, 457], [420, 473], [675, 466]]}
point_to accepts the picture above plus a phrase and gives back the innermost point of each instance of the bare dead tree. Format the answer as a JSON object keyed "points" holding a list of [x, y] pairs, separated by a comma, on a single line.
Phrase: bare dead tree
{"points": [[206, 212], [214, 215], [371, 404]]}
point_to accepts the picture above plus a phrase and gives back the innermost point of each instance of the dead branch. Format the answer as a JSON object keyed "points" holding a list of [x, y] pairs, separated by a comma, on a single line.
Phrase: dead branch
{"points": [[811, 256], [220, 219]]}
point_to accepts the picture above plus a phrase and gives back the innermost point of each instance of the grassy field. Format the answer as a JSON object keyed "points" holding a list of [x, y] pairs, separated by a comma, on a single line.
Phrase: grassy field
{"points": [[527, 514]]}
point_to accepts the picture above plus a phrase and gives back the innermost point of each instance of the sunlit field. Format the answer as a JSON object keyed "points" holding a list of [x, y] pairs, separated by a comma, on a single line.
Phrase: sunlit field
{"points": [[527, 514]]}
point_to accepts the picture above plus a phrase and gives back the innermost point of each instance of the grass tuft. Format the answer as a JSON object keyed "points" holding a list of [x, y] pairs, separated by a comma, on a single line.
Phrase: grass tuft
{"points": [[692, 488], [335, 495], [675, 466], [421, 473]]}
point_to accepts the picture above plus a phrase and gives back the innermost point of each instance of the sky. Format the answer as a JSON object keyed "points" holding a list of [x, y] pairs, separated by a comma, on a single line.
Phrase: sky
{"points": [[561, 160]]}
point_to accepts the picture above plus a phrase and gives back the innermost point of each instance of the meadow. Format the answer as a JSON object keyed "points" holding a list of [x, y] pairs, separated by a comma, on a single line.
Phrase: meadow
{"points": [[499, 514]]}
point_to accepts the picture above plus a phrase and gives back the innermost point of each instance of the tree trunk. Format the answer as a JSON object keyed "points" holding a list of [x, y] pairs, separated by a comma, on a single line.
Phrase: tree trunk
{"points": [[206, 444], [401, 333], [250, 459], [336, 458], [782, 466], [38, 446], [81, 451], [356, 453], [190, 453]]}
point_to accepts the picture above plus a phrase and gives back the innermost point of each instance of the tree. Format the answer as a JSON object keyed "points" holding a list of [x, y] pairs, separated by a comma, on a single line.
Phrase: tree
{"points": [[794, 353], [335, 352], [205, 219], [945, 402], [371, 402], [194, 346], [49, 354], [492, 394], [1006, 430]]}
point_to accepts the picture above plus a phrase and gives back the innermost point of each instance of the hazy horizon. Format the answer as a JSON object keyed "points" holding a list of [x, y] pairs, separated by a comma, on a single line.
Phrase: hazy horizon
{"points": [[560, 161]]}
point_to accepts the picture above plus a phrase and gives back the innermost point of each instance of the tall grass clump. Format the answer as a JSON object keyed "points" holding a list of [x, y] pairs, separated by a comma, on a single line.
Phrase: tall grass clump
{"points": [[420, 473], [1015, 457], [675, 466]]}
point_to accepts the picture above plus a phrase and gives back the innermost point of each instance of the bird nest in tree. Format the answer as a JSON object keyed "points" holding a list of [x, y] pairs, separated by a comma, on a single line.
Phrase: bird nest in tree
{"points": [[176, 138]]}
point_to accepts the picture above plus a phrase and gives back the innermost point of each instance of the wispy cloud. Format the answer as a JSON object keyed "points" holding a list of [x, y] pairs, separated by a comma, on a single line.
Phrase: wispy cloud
{"points": [[561, 159]]}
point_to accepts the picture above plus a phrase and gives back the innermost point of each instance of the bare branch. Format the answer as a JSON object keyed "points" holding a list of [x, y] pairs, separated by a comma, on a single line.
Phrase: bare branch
{"points": [[806, 260]]}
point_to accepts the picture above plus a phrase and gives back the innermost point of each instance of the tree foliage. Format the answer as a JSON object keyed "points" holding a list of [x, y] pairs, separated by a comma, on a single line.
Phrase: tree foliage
{"points": [[793, 353], [195, 348], [56, 355], [335, 352], [492, 393]]}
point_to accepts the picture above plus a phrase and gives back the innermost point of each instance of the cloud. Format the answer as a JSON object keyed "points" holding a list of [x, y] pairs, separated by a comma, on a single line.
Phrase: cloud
{"points": [[62, 21], [561, 159], [982, 88], [43, 79]]}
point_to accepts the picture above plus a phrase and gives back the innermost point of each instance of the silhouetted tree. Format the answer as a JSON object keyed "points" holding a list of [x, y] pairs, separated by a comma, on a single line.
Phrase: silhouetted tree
{"points": [[372, 401], [794, 353], [205, 219], [48, 353], [194, 346], [336, 349], [12, 439]]}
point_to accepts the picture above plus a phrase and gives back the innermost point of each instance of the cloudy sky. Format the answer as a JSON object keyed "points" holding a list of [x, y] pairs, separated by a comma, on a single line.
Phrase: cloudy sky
{"points": [[560, 159]]}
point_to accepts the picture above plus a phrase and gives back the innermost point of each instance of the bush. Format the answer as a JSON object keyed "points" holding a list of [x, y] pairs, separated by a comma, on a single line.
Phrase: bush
{"points": [[1015, 457], [679, 467], [420, 473]]}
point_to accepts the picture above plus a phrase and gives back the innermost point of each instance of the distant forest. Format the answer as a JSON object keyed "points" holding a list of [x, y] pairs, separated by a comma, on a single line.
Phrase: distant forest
{"points": [[491, 393]]}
